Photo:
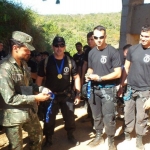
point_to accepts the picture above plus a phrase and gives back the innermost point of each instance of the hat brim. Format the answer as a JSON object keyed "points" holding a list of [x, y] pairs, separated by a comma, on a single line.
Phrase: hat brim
{"points": [[59, 42], [29, 46]]}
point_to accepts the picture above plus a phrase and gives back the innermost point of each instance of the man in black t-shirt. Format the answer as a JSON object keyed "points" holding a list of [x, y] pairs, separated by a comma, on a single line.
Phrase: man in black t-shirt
{"points": [[33, 69], [58, 72], [137, 71], [79, 57], [104, 67], [91, 44]]}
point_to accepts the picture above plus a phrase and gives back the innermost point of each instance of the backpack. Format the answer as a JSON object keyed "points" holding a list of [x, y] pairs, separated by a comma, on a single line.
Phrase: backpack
{"points": [[69, 63]]}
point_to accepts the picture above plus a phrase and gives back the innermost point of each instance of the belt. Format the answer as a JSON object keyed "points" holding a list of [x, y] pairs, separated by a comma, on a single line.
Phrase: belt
{"points": [[105, 86], [66, 92]]}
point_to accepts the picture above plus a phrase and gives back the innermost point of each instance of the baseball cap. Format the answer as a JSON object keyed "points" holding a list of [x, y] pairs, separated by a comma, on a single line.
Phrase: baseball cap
{"points": [[58, 39], [45, 53], [24, 39]]}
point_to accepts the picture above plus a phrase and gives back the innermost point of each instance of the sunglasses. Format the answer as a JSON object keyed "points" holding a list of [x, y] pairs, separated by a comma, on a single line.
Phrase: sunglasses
{"points": [[59, 45], [101, 37]]}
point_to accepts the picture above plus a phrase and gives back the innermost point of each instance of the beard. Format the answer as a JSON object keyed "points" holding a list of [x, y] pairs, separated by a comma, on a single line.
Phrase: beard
{"points": [[25, 58]]}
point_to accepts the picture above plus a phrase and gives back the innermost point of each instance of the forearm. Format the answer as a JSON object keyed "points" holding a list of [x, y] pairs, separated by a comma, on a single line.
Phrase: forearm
{"points": [[111, 76], [123, 80], [77, 84], [84, 69]]}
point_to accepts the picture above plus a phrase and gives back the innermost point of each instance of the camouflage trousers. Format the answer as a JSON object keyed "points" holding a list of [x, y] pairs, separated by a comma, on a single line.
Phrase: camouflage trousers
{"points": [[33, 127]]}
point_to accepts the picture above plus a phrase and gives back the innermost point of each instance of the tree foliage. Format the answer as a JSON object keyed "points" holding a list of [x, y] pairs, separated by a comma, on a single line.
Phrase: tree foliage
{"points": [[73, 28]]}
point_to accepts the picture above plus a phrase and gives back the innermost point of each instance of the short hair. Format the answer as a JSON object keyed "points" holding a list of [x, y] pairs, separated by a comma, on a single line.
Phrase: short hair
{"points": [[100, 28], [78, 43], [126, 46], [86, 46], [90, 34], [14, 42], [145, 28]]}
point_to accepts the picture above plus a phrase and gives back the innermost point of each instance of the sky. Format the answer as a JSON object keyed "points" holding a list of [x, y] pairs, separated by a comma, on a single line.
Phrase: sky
{"points": [[73, 6]]}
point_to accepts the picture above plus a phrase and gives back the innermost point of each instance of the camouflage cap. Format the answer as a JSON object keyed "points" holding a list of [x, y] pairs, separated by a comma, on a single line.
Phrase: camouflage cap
{"points": [[24, 39]]}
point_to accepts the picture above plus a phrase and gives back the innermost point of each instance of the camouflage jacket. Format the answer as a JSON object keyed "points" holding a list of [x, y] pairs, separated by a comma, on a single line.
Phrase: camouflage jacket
{"points": [[15, 106]]}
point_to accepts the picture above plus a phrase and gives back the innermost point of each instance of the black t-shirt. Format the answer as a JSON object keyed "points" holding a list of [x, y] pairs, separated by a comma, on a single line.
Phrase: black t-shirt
{"points": [[103, 62], [139, 72], [2, 55], [52, 82], [32, 65], [86, 54], [79, 58]]}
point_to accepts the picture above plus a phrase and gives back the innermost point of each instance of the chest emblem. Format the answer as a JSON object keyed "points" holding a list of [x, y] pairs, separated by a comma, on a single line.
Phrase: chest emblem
{"points": [[103, 59], [66, 69], [146, 59]]}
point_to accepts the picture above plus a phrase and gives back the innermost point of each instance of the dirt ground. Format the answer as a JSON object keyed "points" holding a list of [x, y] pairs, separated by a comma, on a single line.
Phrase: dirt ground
{"points": [[84, 133]]}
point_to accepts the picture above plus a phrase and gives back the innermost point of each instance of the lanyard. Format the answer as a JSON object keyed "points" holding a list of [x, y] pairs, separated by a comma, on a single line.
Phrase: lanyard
{"points": [[49, 109], [59, 69], [89, 89]]}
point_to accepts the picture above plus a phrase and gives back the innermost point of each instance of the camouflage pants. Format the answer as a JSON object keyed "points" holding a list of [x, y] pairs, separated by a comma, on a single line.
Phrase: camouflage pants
{"points": [[14, 135]]}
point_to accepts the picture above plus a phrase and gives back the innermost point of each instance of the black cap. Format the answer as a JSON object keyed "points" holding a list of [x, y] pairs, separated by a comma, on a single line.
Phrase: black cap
{"points": [[58, 39], [45, 53]]}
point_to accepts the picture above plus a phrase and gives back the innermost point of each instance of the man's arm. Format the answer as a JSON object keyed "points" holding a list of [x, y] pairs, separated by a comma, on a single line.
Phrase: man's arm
{"points": [[123, 80], [114, 75], [125, 72], [84, 69], [39, 80], [9, 94], [33, 75], [77, 88]]}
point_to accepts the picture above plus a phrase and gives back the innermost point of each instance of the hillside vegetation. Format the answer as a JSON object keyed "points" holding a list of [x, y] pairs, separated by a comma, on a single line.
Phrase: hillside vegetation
{"points": [[73, 28]]}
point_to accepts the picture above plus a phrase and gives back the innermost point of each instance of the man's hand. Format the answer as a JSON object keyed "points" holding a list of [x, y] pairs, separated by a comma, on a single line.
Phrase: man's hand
{"points": [[147, 104], [87, 78], [42, 97], [44, 90], [77, 100], [120, 92], [94, 77]]}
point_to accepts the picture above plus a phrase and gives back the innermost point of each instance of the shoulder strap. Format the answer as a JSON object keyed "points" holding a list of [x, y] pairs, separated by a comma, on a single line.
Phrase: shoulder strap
{"points": [[70, 67], [45, 63]]}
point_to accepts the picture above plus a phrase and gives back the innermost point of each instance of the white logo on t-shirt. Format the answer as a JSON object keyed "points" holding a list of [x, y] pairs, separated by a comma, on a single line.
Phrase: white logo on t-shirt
{"points": [[146, 59], [103, 59], [66, 69]]}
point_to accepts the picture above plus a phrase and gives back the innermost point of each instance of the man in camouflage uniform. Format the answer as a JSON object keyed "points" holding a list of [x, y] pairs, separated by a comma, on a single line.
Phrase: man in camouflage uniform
{"points": [[18, 105]]}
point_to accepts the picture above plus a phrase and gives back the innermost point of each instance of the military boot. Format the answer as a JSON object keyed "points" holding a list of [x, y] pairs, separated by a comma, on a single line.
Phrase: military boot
{"points": [[72, 139], [111, 144], [98, 139], [48, 141], [123, 136], [139, 142]]}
